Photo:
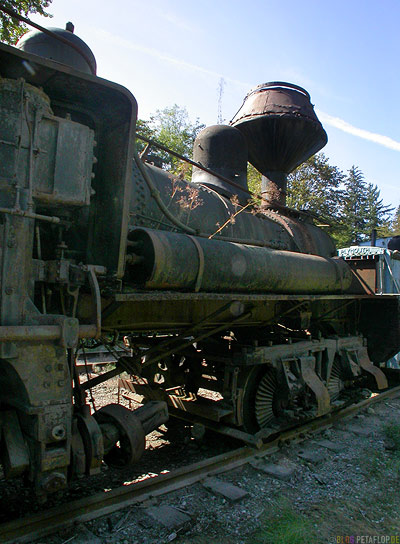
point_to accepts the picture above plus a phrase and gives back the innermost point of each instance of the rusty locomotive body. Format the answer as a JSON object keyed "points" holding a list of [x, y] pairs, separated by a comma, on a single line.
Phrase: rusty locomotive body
{"points": [[208, 291]]}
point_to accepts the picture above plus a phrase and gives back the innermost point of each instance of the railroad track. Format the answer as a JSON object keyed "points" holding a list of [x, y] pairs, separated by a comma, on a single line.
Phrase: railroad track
{"points": [[45, 523]]}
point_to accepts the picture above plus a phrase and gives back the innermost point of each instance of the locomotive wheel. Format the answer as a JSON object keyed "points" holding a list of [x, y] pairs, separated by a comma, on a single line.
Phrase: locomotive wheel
{"points": [[259, 398], [335, 384], [130, 443], [264, 401], [92, 441]]}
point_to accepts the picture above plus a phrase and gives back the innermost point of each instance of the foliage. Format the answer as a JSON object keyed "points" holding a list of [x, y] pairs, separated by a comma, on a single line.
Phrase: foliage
{"points": [[315, 186], [143, 128], [362, 209], [396, 223], [253, 179], [349, 204], [284, 525], [11, 29], [172, 128]]}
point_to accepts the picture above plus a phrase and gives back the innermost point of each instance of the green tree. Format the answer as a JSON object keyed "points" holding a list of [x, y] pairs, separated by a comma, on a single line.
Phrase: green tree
{"points": [[10, 28], [396, 223], [315, 186], [143, 128], [377, 215], [173, 128], [362, 209]]}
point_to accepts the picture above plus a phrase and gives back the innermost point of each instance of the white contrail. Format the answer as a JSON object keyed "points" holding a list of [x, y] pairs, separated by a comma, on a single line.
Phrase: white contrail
{"points": [[127, 44], [324, 117], [360, 132]]}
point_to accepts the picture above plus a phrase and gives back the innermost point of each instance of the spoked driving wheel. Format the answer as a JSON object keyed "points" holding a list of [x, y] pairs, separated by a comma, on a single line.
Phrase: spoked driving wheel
{"points": [[264, 400], [335, 383], [259, 399]]}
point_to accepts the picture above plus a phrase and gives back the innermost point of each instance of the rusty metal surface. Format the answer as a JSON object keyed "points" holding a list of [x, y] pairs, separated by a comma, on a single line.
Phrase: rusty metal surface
{"points": [[93, 442], [138, 311], [229, 314], [364, 271], [131, 436], [171, 261], [365, 363], [113, 110], [305, 235], [281, 130], [316, 385], [222, 149], [202, 210], [152, 415], [280, 126], [15, 454]]}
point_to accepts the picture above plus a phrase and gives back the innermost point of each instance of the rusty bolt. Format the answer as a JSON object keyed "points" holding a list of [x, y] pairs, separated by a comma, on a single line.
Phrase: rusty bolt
{"points": [[59, 432]]}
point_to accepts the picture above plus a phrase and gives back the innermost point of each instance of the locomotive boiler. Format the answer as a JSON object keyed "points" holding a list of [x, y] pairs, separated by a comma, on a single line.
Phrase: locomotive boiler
{"points": [[205, 289]]}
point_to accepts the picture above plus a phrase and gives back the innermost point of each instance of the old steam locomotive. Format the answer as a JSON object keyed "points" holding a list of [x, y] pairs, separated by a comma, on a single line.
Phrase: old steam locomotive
{"points": [[203, 290]]}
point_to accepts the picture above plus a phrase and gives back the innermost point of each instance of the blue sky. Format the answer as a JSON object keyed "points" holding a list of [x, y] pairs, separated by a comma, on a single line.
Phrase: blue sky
{"points": [[344, 53]]}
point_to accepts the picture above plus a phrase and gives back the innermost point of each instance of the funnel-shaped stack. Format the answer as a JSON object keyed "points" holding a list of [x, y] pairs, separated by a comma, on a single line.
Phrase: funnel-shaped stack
{"points": [[282, 131]]}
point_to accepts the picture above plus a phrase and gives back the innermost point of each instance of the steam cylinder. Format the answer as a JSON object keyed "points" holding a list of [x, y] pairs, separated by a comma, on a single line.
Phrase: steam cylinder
{"points": [[167, 260]]}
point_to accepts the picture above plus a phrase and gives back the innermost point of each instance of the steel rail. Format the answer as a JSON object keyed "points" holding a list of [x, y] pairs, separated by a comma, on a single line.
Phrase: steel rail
{"points": [[88, 508]]}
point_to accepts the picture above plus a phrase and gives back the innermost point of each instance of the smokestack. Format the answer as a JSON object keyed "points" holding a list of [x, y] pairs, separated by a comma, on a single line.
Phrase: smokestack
{"points": [[282, 130]]}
